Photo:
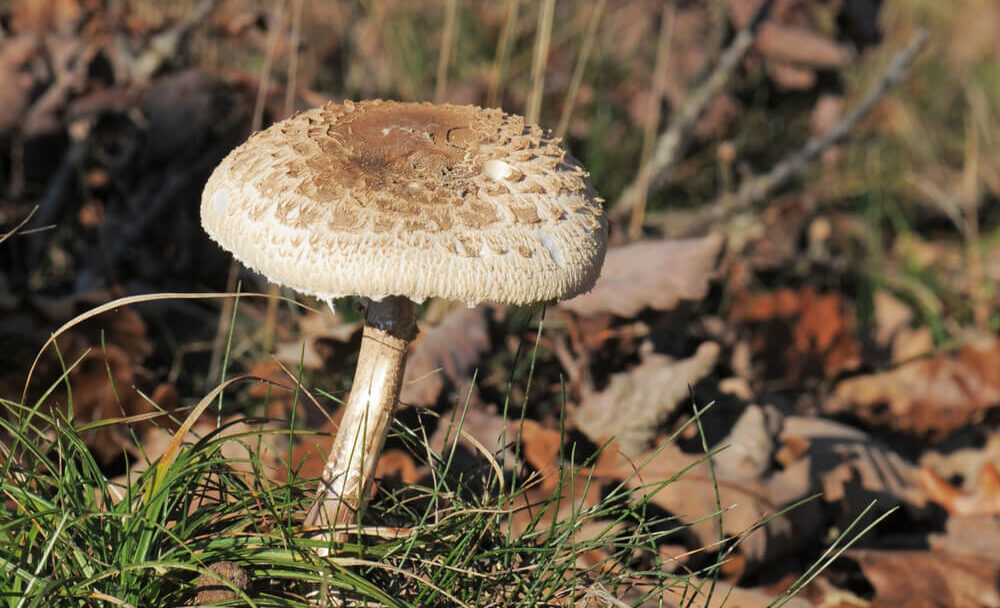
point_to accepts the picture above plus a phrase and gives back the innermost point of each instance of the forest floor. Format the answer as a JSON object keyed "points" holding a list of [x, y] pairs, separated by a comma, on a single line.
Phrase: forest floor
{"points": [[801, 283]]}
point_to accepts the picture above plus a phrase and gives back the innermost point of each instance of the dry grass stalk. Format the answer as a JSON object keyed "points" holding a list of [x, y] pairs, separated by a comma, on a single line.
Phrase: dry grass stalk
{"points": [[495, 86], [652, 118], [755, 190], [543, 39], [670, 144], [581, 66], [444, 57]]}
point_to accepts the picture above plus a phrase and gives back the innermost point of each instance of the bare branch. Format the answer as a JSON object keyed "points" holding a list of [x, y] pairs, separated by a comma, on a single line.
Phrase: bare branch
{"points": [[758, 188], [163, 46], [671, 142], [755, 190]]}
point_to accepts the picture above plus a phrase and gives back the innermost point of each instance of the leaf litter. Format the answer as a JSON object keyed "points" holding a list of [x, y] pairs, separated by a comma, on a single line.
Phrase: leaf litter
{"points": [[815, 395]]}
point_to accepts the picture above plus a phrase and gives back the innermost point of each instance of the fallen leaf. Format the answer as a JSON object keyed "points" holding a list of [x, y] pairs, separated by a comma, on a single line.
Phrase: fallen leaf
{"points": [[800, 334], [774, 239], [482, 429], [750, 445], [849, 466], [933, 397], [983, 500], [791, 76], [964, 463], [910, 344], [651, 274], [635, 402], [891, 316], [796, 45], [445, 356], [540, 447], [969, 534], [929, 579], [399, 464]]}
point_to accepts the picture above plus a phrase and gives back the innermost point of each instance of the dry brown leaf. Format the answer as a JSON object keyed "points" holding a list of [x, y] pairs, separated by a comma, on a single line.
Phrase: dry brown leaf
{"points": [[575, 496], [637, 401], [933, 397], [540, 447], [925, 579], [750, 445], [480, 424], [651, 274], [848, 465], [983, 500], [445, 356], [791, 76], [745, 502], [910, 344], [107, 380], [964, 463], [800, 333], [969, 534], [801, 46], [37, 16], [891, 316], [399, 464]]}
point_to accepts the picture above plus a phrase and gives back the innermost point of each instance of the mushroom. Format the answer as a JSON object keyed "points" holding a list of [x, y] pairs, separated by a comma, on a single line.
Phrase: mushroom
{"points": [[399, 202]]}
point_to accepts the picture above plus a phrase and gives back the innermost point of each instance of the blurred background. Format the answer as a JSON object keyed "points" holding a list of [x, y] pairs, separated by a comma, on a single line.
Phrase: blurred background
{"points": [[804, 227]]}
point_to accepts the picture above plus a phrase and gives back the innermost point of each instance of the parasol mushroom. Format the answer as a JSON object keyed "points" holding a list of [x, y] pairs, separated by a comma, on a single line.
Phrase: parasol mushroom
{"points": [[396, 203]]}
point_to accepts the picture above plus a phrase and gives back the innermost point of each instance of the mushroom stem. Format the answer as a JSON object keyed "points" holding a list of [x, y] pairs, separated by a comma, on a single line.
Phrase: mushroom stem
{"points": [[390, 326]]}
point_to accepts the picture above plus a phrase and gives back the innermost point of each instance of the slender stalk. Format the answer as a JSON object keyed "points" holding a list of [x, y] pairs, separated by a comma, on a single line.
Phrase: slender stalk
{"points": [[495, 86], [444, 57], [543, 37], [581, 65], [652, 118], [390, 326]]}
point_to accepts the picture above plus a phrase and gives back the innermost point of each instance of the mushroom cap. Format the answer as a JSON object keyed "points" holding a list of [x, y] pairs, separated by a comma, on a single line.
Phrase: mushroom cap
{"points": [[380, 198]]}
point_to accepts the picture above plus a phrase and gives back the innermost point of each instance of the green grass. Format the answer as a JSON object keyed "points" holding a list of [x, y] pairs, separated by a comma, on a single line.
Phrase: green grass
{"points": [[72, 536]]}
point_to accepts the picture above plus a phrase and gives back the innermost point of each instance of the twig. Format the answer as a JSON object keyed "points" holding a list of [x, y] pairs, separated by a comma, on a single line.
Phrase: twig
{"points": [[19, 226], [444, 57], [671, 143], [163, 46], [652, 117], [543, 38], [758, 188], [581, 65]]}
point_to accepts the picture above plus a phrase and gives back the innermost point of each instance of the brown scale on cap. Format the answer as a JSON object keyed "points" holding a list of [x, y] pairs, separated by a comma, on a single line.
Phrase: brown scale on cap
{"points": [[409, 199]]}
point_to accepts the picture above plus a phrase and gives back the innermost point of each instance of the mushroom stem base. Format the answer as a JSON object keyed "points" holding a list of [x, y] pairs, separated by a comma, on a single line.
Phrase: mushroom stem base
{"points": [[390, 326]]}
